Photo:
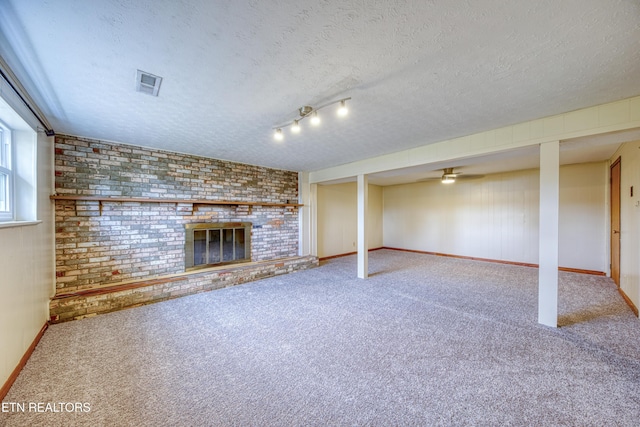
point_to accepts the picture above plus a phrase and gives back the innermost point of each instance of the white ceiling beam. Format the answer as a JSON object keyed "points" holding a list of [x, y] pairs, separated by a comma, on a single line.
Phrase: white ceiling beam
{"points": [[597, 120]]}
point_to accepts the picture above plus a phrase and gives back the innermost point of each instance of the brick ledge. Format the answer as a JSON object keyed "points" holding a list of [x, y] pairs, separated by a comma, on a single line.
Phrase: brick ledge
{"points": [[91, 302], [137, 283]]}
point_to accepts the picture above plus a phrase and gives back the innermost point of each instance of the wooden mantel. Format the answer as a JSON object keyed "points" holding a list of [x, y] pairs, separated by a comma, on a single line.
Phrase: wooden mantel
{"points": [[167, 200]]}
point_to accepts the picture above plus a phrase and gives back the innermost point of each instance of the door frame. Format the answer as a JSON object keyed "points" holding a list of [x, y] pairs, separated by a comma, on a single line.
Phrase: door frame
{"points": [[614, 210]]}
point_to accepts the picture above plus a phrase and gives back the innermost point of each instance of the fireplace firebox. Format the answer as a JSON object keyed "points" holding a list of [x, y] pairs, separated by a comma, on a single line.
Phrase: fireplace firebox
{"points": [[211, 244]]}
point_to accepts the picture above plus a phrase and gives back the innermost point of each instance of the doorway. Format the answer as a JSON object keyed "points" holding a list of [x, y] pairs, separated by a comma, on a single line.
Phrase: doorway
{"points": [[615, 221]]}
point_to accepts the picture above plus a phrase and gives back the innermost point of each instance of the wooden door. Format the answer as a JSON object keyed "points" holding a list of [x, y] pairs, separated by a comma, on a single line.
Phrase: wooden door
{"points": [[615, 221]]}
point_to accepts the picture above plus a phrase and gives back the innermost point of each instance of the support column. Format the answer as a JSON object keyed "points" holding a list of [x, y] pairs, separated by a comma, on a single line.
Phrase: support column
{"points": [[307, 218], [363, 241], [548, 234], [304, 214], [313, 219]]}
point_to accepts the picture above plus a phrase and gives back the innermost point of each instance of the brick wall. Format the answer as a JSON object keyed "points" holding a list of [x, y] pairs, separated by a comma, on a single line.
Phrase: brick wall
{"points": [[112, 242]]}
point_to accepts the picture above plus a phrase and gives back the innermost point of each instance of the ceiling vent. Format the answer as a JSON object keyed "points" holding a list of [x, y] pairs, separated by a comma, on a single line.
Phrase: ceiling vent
{"points": [[148, 83]]}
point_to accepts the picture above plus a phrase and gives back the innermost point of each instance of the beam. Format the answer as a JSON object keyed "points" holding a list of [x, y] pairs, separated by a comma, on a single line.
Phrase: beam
{"points": [[600, 119]]}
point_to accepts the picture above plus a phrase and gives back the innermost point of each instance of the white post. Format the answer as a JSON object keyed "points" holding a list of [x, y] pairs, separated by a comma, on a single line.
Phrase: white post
{"points": [[548, 234], [304, 214], [313, 219], [363, 241]]}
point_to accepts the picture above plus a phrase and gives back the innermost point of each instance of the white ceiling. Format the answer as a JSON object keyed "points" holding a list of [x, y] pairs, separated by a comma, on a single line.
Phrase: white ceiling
{"points": [[418, 71]]}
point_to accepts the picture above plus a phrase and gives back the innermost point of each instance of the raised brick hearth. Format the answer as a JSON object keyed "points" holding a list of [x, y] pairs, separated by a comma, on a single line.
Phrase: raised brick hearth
{"points": [[89, 303]]}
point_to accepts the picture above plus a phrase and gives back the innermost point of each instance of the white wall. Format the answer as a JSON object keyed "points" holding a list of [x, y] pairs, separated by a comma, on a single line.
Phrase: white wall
{"points": [[584, 216], [27, 266], [338, 216], [630, 220], [375, 217], [497, 217]]}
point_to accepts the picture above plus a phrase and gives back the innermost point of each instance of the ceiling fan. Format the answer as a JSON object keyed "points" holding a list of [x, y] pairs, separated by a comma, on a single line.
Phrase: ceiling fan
{"points": [[449, 176]]}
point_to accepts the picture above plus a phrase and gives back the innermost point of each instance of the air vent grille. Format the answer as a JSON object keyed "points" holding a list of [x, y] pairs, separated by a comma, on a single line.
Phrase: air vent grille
{"points": [[148, 83]]}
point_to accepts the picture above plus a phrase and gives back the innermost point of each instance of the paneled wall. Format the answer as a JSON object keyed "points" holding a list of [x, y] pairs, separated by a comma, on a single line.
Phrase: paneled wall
{"points": [[584, 216], [338, 218], [496, 217]]}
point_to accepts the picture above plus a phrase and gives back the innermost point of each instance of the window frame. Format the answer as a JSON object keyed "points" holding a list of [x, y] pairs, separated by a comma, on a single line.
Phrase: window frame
{"points": [[7, 169]]}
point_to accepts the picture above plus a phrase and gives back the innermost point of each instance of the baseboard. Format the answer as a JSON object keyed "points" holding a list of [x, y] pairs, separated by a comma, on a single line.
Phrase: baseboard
{"points": [[628, 301], [14, 375], [521, 264], [347, 254], [578, 270]]}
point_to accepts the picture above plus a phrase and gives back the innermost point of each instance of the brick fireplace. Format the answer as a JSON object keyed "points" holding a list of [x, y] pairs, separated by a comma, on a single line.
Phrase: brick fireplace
{"points": [[123, 214]]}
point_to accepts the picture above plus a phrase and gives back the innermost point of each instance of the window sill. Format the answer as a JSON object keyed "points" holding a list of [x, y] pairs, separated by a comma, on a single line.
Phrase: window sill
{"points": [[11, 224]]}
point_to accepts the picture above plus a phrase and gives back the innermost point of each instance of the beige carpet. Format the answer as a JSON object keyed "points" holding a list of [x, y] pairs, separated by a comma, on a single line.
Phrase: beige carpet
{"points": [[424, 341]]}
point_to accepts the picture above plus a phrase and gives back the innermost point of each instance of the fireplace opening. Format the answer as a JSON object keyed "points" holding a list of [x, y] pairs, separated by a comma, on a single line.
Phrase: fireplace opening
{"points": [[211, 244]]}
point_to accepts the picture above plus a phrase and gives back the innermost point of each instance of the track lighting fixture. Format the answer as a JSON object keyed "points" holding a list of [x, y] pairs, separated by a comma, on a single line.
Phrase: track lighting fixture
{"points": [[314, 118]]}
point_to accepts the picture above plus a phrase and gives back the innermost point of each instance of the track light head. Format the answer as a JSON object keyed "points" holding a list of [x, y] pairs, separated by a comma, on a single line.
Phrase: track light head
{"points": [[343, 110], [295, 128], [278, 136], [315, 119]]}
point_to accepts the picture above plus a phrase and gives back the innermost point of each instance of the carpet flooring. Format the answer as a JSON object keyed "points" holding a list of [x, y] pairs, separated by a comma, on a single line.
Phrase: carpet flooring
{"points": [[425, 341]]}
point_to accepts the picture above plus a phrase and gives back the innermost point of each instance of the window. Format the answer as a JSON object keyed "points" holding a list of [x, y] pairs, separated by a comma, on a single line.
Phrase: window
{"points": [[6, 175]]}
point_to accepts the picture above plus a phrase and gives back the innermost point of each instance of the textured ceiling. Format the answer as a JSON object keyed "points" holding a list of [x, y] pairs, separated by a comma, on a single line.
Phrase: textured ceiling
{"points": [[418, 71]]}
